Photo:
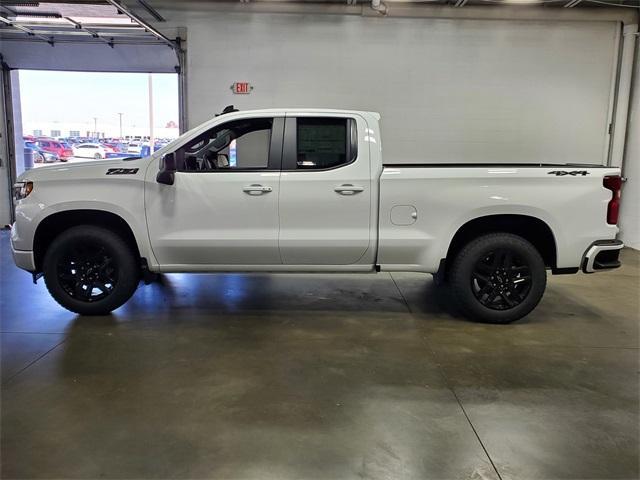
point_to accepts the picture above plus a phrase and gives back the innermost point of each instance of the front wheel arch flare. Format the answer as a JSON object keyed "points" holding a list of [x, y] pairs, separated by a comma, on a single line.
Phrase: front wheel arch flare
{"points": [[53, 225]]}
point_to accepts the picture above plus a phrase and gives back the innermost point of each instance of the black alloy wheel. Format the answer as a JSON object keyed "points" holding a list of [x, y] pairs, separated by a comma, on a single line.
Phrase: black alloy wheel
{"points": [[91, 270], [497, 278], [501, 279], [87, 272]]}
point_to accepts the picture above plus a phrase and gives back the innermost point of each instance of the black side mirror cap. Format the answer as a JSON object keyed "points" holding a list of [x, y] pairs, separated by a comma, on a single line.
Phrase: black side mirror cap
{"points": [[168, 167]]}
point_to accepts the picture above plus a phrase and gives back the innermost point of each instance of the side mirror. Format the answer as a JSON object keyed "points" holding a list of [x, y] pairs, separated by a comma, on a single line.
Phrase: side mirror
{"points": [[168, 167]]}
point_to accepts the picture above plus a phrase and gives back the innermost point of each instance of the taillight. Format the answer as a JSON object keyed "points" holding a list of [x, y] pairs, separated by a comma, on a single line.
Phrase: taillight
{"points": [[613, 183]]}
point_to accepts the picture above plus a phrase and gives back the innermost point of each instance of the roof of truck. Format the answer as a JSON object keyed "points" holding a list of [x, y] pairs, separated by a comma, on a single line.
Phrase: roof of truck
{"points": [[282, 111]]}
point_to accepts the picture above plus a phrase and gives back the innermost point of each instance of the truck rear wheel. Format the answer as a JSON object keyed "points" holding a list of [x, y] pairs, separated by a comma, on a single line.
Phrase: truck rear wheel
{"points": [[498, 278], [90, 270]]}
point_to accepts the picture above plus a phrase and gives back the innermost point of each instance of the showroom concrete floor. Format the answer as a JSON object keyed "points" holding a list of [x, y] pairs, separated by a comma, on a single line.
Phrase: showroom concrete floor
{"points": [[320, 376]]}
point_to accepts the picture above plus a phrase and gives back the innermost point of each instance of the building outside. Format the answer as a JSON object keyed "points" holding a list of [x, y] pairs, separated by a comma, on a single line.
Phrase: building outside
{"points": [[100, 129]]}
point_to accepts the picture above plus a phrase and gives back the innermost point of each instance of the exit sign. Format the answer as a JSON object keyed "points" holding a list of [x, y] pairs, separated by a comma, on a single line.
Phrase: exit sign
{"points": [[241, 87]]}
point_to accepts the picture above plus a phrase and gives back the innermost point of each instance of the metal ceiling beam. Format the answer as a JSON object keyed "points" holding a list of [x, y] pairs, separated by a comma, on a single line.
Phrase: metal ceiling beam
{"points": [[58, 33], [101, 27], [144, 24], [152, 11], [93, 33], [26, 30], [8, 36]]}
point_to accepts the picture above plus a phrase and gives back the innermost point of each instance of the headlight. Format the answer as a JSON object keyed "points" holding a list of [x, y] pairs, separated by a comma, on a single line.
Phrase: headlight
{"points": [[22, 190]]}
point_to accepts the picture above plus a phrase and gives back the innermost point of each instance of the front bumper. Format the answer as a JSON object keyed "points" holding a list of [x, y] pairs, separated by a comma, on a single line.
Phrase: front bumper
{"points": [[602, 255], [24, 259]]}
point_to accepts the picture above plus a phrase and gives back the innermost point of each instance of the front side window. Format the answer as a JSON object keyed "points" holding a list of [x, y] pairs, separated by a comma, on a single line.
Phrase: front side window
{"points": [[236, 145], [323, 143]]}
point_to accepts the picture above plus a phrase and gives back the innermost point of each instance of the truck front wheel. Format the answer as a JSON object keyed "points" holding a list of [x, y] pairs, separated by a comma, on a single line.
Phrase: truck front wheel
{"points": [[498, 278], [90, 270]]}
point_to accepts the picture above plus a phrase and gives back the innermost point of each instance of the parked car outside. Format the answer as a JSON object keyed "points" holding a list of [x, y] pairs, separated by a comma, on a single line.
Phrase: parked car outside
{"points": [[90, 150], [135, 146], [62, 150], [39, 155], [111, 146]]}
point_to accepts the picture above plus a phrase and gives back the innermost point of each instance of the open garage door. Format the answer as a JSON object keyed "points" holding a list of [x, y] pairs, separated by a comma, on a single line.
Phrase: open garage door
{"points": [[82, 37], [101, 36]]}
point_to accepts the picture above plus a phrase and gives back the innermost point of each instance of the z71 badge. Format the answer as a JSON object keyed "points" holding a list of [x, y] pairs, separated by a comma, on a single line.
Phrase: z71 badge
{"points": [[122, 171], [573, 173]]}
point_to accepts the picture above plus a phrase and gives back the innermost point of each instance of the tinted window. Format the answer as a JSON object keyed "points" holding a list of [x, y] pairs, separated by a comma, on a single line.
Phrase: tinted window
{"points": [[323, 142], [239, 145]]}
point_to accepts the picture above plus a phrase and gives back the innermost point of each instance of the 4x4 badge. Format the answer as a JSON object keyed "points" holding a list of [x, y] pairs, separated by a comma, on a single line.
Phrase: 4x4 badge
{"points": [[573, 173]]}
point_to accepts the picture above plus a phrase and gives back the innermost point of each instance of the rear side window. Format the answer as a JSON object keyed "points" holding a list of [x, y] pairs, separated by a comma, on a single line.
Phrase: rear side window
{"points": [[323, 143], [319, 143]]}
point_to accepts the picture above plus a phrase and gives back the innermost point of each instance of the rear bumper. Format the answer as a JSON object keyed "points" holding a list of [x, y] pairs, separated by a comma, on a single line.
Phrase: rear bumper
{"points": [[602, 255]]}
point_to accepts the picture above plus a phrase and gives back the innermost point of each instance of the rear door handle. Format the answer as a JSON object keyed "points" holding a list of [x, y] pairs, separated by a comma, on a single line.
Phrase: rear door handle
{"points": [[256, 189], [348, 189]]}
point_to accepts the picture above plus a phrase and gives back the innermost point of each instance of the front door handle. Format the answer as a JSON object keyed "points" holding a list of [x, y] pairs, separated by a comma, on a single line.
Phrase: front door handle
{"points": [[256, 189], [348, 189]]}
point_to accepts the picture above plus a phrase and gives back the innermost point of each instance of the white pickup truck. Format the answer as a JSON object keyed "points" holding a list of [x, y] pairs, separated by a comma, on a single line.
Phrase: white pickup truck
{"points": [[299, 190]]}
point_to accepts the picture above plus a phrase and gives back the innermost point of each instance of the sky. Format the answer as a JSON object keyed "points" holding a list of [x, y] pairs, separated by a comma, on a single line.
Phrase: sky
{"points": [[79, 96]]}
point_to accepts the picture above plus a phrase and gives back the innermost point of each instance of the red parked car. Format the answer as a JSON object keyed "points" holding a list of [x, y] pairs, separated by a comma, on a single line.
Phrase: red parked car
{"points": [[110, 146], [62, 150]]}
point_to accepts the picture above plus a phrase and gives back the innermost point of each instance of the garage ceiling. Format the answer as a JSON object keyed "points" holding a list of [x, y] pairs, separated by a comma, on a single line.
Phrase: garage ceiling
{"points": [[139, 35]]}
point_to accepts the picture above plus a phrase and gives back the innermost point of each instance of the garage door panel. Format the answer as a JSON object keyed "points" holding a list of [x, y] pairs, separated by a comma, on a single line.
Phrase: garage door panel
{"points": [[448, 90]]}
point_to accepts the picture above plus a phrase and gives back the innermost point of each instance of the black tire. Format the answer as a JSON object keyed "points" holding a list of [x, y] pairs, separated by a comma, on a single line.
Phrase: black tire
{"points": [[90, 270], [498, 278]]}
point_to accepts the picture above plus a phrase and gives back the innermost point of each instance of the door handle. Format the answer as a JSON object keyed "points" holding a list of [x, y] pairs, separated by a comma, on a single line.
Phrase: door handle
{"points": [[256, 189], [348, 189]]}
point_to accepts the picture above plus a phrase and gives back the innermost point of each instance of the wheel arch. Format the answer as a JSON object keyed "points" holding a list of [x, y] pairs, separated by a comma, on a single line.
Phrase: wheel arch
{"points": [[56, 223], [532, 229]]}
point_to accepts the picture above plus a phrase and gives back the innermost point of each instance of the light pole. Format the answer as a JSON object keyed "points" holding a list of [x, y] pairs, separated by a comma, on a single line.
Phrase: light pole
{"points": [[95, 127], [120, 114]]}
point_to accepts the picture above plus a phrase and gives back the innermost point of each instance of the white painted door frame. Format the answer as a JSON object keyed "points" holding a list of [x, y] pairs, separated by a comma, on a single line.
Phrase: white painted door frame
{"points": [[6, 149]]}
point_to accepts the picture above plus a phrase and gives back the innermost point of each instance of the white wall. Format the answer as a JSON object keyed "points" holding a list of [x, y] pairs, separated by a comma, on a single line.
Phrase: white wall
{"points": [[448, 90], [630, 211]]}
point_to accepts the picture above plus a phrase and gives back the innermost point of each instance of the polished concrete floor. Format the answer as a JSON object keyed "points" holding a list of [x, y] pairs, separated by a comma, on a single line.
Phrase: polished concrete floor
{"points": [[320, 376]]}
